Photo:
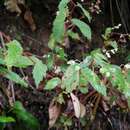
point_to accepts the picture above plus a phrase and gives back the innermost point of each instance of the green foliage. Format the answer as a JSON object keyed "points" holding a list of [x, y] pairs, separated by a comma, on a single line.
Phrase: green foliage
{"points": [[51, 84], [70, 80], [14, 56], [95, 71], [84, 28], [94, 80], [25, 117], [5, 119], [73, 35], [39, 72], [13, 53], [58, 25]]}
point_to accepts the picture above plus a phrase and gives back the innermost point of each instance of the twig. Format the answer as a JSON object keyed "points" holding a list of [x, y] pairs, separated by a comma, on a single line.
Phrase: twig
{"points": [[12, 91], [2, 41], [26, 79]]}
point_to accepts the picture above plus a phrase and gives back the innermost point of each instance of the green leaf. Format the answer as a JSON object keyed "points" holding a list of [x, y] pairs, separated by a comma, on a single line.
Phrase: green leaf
{"points": [[13, 53], [108, 31], [50, 61], [99, 58], [24, 62], [61, 53], [84, 28], [12, 76], [86, 13], [70, 79], [39, 72], [94, 81], [83, 90], [52, 42], [5, 119], [73, 35], [58, 25], [25, 117], [51, 84]]}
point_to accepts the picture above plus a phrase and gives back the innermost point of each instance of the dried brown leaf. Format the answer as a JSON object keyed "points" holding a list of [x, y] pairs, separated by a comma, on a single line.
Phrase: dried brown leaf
{"points": [[79, 108], [82, 110], [54, 112], [76, 105], [29, 19], [12, 5]]}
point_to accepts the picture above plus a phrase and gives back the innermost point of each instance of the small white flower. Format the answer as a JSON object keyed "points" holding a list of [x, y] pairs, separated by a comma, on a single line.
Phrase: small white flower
{"points": [[57, 13], [57, 70], [113, 51], [108, 55], [108, 74], [127, 66], [71, 62]]}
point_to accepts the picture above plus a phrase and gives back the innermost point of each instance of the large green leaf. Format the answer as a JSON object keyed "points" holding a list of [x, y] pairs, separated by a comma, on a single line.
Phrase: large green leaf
{"points": [[84, 28], [25, 117], [70, 79], [39, 72], [51, 84], [5, 119], [94, 80], [13, 53], [12, 76], [58, 25], [116, 77]]}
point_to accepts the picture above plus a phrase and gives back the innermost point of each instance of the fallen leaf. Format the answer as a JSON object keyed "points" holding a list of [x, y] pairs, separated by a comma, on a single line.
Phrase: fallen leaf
{"points": [[12, 5], [79, 108], [82, 110], [54, 112], [29, 19]]}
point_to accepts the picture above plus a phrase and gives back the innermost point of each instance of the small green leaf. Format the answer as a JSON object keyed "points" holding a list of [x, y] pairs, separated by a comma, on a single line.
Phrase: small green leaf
{"points": [[73, 35], [52, 42], [39, 72], [83, 90], [84, 28], [86, 13], [51, 84], [94, 81], [99, 58], [13, 53], [5, 119]]}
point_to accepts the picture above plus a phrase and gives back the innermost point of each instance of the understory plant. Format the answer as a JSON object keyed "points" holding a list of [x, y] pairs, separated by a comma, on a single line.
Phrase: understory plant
{"points": [[74, 81]]}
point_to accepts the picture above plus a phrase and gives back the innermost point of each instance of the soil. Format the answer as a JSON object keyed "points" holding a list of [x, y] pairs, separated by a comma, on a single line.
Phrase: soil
{"points": [[36, 42]]}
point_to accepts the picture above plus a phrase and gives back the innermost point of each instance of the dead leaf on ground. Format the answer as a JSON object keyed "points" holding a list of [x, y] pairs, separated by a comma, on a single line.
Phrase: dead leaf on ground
{"points": [[79, 108], [54, 112], [29, 19], [82, 110], [12, 5]]}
